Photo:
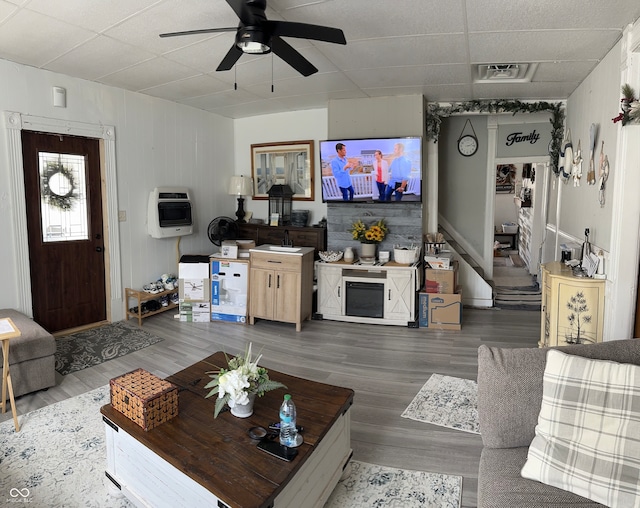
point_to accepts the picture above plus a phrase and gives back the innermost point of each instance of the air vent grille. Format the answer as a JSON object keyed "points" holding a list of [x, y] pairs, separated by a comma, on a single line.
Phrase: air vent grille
{"points": [[510, 72]]}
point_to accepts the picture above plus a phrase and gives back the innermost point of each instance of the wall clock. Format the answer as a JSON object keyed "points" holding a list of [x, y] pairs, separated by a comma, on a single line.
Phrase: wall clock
{"points": [[467, 143]]}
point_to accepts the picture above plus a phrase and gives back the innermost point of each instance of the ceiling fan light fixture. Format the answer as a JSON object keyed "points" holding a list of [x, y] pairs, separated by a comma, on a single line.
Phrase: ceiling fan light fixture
{"points": [[252, 40]]}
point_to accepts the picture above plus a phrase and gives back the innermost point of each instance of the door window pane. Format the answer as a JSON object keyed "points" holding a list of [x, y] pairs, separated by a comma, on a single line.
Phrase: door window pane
{"points": [[63, 198]]}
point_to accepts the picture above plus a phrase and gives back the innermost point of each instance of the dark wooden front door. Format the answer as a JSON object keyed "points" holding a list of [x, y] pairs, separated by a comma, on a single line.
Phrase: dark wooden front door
{"points": [[65, 230]]}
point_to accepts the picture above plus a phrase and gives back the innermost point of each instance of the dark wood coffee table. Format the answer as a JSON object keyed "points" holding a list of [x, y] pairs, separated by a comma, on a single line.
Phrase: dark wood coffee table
{"points": [[196, 460]]}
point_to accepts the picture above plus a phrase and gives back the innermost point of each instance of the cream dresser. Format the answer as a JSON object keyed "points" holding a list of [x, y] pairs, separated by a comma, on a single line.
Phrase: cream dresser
{"points": [[572, 307]]}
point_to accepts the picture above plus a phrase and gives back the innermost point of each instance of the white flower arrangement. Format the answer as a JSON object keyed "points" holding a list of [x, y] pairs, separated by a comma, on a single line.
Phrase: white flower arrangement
{"points": [[242, 378]]}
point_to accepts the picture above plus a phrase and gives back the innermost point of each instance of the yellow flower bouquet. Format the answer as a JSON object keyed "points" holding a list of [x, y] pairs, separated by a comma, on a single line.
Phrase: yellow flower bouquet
{"points": [[372, 234]]}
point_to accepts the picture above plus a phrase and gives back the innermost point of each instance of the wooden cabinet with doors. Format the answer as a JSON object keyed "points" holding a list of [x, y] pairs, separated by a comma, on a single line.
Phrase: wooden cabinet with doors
{"points": [[572, 307], [299, 236], [281, 285], [340, 283]]}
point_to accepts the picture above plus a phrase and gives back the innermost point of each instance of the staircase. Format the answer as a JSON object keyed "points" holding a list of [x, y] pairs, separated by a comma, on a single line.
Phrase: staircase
{"points": [[476, 291]]}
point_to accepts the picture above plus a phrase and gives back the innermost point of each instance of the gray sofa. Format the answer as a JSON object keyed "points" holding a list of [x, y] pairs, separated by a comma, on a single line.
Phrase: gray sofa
{"points": [[31, 356], [509, 400]]}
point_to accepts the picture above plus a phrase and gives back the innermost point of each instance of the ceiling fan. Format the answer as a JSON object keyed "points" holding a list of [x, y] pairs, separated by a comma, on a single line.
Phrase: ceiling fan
{"points": [[255, 34]]}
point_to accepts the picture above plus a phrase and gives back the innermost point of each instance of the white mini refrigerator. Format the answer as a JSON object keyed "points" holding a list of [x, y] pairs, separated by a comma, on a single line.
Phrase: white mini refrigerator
{"points": [[229, 289]]}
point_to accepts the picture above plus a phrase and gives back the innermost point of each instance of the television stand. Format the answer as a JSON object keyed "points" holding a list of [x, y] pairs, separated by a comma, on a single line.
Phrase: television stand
{"points": [[382, 294]]}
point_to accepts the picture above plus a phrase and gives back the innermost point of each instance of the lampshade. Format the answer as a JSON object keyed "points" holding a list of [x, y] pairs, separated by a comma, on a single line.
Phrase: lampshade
{"points": [[240, 186]]}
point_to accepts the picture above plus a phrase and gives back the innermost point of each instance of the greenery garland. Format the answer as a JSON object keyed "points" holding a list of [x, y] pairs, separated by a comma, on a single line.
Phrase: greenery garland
{"points": [[436, 112], [62, 201]]}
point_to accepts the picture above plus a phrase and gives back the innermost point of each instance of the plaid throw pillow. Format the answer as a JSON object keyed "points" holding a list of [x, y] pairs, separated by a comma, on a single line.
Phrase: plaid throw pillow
{"points": [[588, 434]]}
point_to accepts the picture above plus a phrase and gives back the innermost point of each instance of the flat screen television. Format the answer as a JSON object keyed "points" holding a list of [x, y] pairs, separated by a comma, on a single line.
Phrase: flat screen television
{"points": [[384, 170]]}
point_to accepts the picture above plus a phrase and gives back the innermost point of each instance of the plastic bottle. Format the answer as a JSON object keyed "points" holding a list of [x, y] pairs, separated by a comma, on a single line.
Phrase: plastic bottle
{"points": [[288, 430], [600, 269]]}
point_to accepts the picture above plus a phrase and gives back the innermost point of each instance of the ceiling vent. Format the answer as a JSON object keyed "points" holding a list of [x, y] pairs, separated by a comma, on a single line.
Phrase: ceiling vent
{"points": [[511, 73]]}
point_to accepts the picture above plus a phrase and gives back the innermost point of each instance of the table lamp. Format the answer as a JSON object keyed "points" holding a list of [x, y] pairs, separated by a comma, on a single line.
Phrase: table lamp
{"points": [[240, 186]]}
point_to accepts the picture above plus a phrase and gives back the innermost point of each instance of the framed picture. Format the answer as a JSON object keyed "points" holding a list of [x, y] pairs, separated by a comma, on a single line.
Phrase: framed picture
{"points": [[287, 163], [505, 178]]}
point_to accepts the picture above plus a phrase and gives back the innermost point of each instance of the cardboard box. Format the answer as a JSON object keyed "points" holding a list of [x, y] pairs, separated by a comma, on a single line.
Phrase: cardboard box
{"points": [[440, 311], [440, 261], [195, 318], [144, 398], [229, 249], [243, 248], [195, 312], [441, 281], [193, 280], [229, 318], [229, 290]]}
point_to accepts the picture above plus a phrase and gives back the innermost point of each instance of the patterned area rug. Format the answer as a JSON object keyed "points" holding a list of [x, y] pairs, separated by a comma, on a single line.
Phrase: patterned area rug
{"points": [[71, 473], [93, 347], [446, 401], [378, 486], [58, 457]]}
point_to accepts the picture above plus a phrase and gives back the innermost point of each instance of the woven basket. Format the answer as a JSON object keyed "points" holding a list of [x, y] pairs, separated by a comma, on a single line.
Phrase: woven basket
{"points": [[406, 255], [330, 256], [144, 398]]}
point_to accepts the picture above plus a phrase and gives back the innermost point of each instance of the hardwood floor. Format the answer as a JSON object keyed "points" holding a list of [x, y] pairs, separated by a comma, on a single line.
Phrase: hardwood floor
{"points": [[385, 365]]}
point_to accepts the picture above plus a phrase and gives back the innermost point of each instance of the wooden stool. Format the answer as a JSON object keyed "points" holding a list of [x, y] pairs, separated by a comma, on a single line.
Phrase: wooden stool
{"points": [[8, 331]]}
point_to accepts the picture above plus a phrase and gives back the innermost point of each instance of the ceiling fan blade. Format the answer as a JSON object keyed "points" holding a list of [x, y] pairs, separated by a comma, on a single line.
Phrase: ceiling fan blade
{"points": [[306, 31], [202, 31], [230, 59], [250, 12], [285, 51]]}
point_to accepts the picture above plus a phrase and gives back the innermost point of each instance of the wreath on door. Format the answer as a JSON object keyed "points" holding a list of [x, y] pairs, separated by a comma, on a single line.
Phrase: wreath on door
{"points": [[58, 186]]}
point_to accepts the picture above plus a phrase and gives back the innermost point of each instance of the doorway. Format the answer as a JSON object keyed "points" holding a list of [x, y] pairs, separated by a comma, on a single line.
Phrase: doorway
{"points": [[63, 196], [520, 202]]}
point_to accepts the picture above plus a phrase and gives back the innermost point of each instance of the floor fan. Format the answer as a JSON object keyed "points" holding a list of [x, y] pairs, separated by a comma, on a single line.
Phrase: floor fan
{"points": [[221, 229]]}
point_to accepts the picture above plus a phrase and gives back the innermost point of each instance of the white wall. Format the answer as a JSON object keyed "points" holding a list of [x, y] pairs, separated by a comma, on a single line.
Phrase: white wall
{"points": [[462, 189], [615, 226], [157, 143], [595, 101], [291, 126], [506, 210]]}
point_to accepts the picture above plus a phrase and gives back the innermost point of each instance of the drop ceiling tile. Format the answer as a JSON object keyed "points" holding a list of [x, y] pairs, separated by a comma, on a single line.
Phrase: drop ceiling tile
{"points": [[255, 108], [416, 75], [203, 55], [416, 46], [95, 16], [173, 16], [446, 93], [33, 39], [98, 57], [536, 46], [317, 83], [500, 15], [147, 74], [399, 51], [222, 99], [6, 10], [524, 91], [187, 88], [563, 70], [368, 19], [262, 68]]}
